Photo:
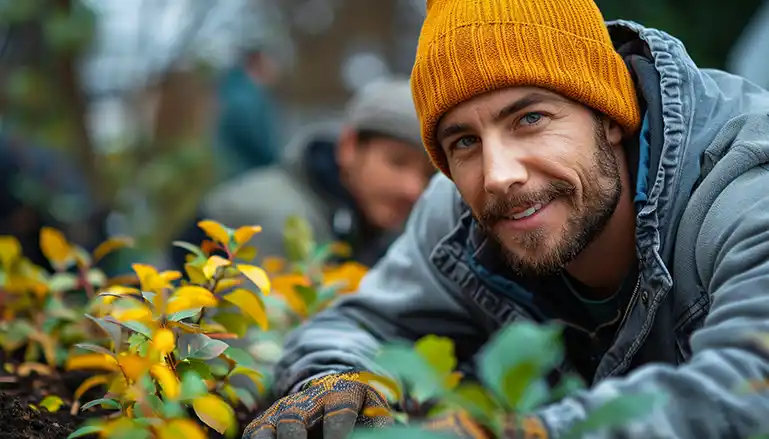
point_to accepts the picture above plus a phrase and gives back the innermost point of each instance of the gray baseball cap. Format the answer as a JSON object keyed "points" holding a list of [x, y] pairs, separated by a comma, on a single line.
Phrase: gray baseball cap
{"points": [[385, 107]]}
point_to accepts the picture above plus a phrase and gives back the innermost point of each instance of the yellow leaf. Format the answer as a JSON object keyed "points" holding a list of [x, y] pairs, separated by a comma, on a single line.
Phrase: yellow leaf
{"points": [[133, 366], [90, 383], [164, 341], [381, 383], [243, 234], [214, 412], [195, 273], [226, 284], [149, 278], [215, 231], [250, 304], [341, 249], [52, 403], [453, 379], [181, 428], [257, 276], [247, 253], [348, 274], [190, 297], [25, 369], [284, 286], [167, 379], [273, 264], [213, 263], [170, 275], [111, 245], [121, 290], [138, 314], [10, 250], [92, 361], [374, 412], [55, 246]]}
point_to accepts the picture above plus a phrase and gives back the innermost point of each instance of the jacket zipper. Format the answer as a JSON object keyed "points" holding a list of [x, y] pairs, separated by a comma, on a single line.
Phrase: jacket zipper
{"points": [[633, 298]]}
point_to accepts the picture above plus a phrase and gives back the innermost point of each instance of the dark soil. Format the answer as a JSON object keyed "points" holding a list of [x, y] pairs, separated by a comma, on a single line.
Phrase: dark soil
{"points": [[17, 394]]}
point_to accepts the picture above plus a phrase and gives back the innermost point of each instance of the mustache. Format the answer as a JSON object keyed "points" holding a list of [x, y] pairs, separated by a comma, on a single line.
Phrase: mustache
{"points": [[499, 209]]}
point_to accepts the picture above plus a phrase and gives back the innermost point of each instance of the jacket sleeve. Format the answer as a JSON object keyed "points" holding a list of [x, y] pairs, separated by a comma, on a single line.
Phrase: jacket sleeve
{"points": [[400, 298], [706, 397]]}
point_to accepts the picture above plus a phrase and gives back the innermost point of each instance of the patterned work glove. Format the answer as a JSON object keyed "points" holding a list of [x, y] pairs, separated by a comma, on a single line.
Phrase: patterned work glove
{"points": [[335, 401], [461, 425]]}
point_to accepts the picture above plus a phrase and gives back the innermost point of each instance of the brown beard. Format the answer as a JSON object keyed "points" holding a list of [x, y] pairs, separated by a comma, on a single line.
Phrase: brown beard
{"points": [[583, 226]]}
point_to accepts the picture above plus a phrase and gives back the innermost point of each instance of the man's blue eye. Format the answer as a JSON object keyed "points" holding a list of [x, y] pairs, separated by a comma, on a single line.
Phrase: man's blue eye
{"points": [[465, 142], [531, 118]]}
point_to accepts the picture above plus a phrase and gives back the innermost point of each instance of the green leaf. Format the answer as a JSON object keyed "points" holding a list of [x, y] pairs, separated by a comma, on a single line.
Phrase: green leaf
{"points": [[94, 348], [517, 356], [197, 366], [181, 315], [192, 386], [155, 403], [618, 411], [407, 365], [246, 398], [307, 293], [112, 329], [61, 282], [475, 399], [104, 402], [173, 409], [201, 347], [298, 239], [194, 249], [568, 385], [438, 352], [85, 431], [241, 357], [235, 323], [139, 327], [399, 432], [135, 431]]}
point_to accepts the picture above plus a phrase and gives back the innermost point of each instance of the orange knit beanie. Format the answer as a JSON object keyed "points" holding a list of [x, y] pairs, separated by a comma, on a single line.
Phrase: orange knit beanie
{"points": [[469, 47]]}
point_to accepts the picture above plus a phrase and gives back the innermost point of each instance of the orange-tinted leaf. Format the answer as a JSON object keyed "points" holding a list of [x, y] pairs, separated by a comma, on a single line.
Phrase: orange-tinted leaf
{"points": [[250, 304], [373, 412], [273, 264], [92, 361], [133, 366], [209, 247], [257, 276], [216, 231], [89, 384], [25, 369], [55, 246], [181, 428], [378, 381], [214, 412], [348, 275], [243, 234], [111, 245]]}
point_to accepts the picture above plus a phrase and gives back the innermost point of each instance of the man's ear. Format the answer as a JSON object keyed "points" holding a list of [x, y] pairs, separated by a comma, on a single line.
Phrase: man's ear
{"points": [[613, 131], [346, 147]]}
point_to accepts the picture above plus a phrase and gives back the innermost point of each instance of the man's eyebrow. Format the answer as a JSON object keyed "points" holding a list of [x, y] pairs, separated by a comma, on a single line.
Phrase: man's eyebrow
{"points": [[527, 101], [522, 103]]}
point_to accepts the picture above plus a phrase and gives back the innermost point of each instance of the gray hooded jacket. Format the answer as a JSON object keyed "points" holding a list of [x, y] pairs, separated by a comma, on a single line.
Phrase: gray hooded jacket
{"points": [[703, 287]]}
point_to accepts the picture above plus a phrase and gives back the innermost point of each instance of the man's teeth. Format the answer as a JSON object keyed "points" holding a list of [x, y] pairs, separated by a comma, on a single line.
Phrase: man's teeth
{"points": [[528, 212]]}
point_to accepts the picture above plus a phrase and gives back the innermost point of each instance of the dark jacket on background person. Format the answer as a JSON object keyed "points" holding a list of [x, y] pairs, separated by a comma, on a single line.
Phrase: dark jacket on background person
{"points": [[699, 294]]}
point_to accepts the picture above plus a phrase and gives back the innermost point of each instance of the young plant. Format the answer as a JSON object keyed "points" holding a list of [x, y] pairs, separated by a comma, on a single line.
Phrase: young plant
{"points": [[312, 277], [41, 311], [167, 352], [422, 380]]}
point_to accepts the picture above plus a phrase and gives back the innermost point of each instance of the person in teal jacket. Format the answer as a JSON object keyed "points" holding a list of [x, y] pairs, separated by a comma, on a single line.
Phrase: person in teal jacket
{"points": [[247, 127]]}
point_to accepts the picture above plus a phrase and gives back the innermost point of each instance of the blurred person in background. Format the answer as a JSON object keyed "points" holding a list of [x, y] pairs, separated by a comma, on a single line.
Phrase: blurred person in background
{"points": [[247, 130], [356, 184]]}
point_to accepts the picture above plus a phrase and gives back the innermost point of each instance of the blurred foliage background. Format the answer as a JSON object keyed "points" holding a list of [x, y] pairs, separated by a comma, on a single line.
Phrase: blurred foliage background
{"points": [[113, 102]]}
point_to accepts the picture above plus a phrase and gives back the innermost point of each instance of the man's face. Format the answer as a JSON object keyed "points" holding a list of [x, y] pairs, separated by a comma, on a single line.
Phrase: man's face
{"points": [[537, 171], [386, 176]]}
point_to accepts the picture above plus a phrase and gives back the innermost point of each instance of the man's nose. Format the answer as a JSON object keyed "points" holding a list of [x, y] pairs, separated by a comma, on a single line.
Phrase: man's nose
{"points": [[503, 168]]}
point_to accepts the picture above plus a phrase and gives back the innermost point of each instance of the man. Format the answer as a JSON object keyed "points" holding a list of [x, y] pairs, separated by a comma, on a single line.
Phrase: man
{"points": [[593, 176], [247, 135], [356, 185]]}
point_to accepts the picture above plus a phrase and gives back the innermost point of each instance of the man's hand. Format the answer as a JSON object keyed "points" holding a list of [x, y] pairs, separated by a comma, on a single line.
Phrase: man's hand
{"points": [[461, 425], [335, 401]]}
